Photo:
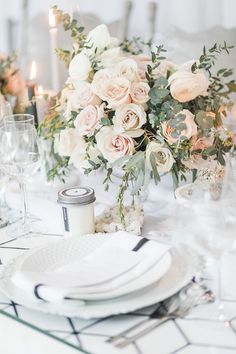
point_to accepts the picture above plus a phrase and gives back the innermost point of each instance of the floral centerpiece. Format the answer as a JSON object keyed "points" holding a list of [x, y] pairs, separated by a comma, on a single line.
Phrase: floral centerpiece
{"points": [[142, 113]]}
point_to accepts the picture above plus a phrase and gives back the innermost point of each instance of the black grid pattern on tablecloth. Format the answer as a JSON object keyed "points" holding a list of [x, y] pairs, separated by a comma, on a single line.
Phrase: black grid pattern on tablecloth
{"points": [[77, 333]]}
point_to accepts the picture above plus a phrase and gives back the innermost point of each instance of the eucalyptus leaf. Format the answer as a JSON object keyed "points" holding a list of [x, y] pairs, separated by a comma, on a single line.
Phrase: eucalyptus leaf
{"points": [[156, 175]]}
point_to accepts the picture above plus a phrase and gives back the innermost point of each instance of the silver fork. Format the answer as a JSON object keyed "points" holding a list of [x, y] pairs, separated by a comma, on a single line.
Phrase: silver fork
{"points": [[176, 306]]}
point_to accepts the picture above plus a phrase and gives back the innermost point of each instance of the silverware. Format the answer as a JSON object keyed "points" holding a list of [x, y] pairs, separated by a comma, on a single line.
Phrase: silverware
{"points": [[177, 305]]}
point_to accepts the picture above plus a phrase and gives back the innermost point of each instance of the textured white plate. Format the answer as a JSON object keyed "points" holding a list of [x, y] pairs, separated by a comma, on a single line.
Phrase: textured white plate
{"points": [[184, 265], [185, 192], [50, 257]]}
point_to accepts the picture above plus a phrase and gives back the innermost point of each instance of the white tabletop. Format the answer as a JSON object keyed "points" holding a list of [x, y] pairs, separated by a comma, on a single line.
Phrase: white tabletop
{"points": [[23, 330]]}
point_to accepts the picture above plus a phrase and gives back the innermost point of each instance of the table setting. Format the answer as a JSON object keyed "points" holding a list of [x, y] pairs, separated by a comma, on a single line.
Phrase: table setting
{"points": [[118, 201]]}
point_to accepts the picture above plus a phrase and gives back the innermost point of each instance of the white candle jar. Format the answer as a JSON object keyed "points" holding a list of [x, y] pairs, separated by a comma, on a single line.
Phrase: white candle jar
{"points": [[77, 210]]}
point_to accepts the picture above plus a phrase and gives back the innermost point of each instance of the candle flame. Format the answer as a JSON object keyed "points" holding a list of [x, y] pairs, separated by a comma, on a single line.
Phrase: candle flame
{"points": [[33, 70], [51, 18], [40, 90]]}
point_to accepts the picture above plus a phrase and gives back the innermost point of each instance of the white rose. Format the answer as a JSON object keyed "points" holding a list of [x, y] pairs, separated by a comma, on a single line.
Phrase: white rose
{"points": [[80, 67], [139, 92], [99, 38], [116, 91], [112, 145], [110, 57], [88, 119], [186, 86], [129, 117], [128, 69], [171, 130], [66, 141], [163, 157], [79, 156]]}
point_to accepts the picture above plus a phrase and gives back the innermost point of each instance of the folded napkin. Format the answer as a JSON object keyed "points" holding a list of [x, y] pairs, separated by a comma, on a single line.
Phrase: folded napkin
{"points": [[121, 259]]}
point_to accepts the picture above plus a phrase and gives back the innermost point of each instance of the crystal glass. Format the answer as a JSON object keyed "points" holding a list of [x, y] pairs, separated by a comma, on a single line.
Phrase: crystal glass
{"points": [[208, 224], [19, 157]]}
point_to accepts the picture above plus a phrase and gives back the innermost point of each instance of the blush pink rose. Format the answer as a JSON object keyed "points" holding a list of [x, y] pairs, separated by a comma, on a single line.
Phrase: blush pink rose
{"points": [[142, 61], [116, 92], [112, 145], [84, 95], [88, 119], [129, 117], [139, 92]]}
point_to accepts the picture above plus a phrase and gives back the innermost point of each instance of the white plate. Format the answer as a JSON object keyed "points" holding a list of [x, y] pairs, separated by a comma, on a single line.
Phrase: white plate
{"points": [[50, 257], [185, 263], [185, 192]]}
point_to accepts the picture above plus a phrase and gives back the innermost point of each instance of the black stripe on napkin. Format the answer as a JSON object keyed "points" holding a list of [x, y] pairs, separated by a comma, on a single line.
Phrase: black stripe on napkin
{"points": [[36, 291], [140, 244]]}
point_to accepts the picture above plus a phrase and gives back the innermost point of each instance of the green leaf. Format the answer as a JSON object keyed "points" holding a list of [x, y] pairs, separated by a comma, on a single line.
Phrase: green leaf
{"points": [[204, 121], [138, 156], [156, 175], [105, 121], [231, 86]]}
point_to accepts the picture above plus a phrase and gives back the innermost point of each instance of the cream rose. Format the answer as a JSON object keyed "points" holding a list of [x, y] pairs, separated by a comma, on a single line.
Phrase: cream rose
{"points": [[172, 131], [186, 86], [99, 38], [80, 67], [66, 141], [112, 145], [79, 156], [88, 119], [139, 92], [85, 95], [164, 67], [163, 157], [128, 69], [100, 78], [129, 117], [142, 61], [116, 91]]}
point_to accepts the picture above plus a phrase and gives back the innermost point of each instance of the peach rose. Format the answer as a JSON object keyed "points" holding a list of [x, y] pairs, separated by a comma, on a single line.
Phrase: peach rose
{"points": [[172, 131], [116, 92], [196, 161], [114, 146], [139, 92], [185, 86], [129, 117], [88, 119], [163, 157], [66, 141]]}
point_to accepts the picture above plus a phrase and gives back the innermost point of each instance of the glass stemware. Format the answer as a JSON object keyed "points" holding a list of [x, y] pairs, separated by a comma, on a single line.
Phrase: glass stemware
{"points": [[208, 225], [19, 157]]}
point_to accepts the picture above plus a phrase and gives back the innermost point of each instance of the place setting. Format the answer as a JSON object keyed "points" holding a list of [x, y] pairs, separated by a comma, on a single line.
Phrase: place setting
{"points": [[117, 189]]}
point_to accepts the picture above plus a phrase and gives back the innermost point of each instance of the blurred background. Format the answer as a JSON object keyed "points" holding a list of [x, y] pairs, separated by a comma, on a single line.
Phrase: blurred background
{"points": [[183, 26]]}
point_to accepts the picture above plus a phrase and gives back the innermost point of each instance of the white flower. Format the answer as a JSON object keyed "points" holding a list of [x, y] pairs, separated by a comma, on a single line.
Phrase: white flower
{"points": [[139, 92], [110, 57], [171, 130], [99, 38], [88, 119], [100, 78], [128, 69], [79, 156], [163, 157], [186, 86], [66, 141], [84, 95], [115, 91], [129, 117], [80, 67], [113, 145]]}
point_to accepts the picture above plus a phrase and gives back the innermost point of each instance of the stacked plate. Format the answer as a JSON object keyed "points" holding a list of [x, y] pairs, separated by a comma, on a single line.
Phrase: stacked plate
{"points": [[94, 276]]}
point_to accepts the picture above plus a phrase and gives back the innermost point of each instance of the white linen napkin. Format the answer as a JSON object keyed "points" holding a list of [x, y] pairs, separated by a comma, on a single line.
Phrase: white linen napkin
{"points": [[119, 260]]}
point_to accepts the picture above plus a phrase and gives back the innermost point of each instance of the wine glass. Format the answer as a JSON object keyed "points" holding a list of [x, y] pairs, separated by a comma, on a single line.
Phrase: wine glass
{"points": [[207, 224], [20, 157]]}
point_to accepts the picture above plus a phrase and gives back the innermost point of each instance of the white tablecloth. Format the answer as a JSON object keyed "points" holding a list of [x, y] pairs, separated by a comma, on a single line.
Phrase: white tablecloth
{"points": [[26, 331]]}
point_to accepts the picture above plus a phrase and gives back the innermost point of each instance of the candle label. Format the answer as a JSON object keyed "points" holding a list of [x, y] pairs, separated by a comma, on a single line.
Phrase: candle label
{"points": [[65, 218]]}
